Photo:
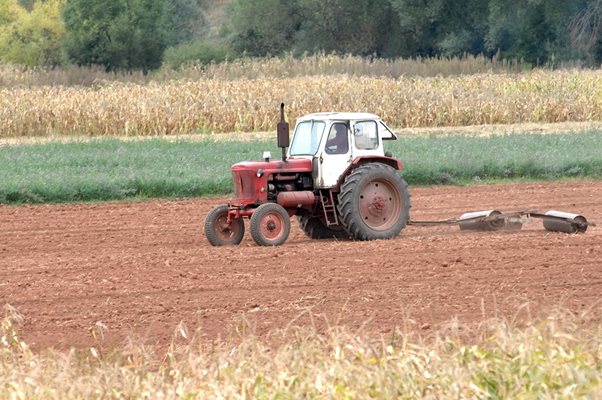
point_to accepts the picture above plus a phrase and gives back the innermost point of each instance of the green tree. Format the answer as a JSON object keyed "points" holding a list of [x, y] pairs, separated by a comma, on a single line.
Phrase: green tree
{"points": [[184, 21], [440, 27], [10, 11], [120, 34], [362, 28], [27, 4], [263, 27], [536, 31], [31, 37], [585, 31]]}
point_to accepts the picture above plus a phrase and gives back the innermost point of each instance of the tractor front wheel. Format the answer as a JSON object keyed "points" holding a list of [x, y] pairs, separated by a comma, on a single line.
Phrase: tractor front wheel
{"points": [[270, 225], [374, 202], [219, 231]]}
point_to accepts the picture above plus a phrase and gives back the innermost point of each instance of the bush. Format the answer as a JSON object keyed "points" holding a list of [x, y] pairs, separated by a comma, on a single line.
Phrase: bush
{"points": [[199, 51]]}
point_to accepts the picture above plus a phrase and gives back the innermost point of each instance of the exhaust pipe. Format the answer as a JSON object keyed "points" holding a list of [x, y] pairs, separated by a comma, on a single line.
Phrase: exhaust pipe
{"points": [[558, 221], [282, 133]]}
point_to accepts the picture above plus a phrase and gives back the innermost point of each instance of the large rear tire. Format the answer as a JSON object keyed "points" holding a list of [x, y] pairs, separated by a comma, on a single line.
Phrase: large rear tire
{"points": [[374, 202], [315, 228], [221, 233], [270, 225]]}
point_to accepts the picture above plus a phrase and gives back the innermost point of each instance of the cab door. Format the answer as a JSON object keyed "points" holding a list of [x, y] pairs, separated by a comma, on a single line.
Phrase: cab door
{"points": [[366, 140], [335, 155]]}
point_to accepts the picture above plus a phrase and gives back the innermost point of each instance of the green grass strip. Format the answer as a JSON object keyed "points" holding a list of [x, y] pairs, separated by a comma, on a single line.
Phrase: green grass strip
{"points": [[112, 169], [461, 159]]}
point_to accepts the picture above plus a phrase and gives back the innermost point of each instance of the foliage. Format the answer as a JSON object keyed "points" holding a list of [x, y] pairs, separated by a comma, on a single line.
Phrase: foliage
{"points": [[441, 27], [133, 34], [366, 28], [10, 11], [272, 27], [107, 169], [586, 30], [183, 21], [536, 31], [123, 34], [31, 37], [200, 51], [264, 27], [127, 34]]}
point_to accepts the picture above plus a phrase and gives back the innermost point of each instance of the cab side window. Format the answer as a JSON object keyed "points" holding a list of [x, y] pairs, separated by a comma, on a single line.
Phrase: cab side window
{"points": [[366, 135], [338, 139]]}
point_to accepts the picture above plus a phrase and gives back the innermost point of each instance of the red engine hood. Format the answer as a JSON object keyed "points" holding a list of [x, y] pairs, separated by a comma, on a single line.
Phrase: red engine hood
{"points": [[294, 165], [251, 188]]}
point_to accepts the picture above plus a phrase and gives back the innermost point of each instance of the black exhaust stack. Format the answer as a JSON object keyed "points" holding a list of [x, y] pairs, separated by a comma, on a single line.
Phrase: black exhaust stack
{"points": [[282, 130]]}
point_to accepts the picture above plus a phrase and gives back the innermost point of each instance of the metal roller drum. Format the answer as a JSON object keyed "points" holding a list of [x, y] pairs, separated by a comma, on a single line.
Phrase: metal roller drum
{"points": [[481, 221], [565, 222]]}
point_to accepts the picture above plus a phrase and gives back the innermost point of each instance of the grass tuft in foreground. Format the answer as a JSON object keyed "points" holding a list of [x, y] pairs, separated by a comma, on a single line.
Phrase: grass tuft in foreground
{"points": [[554, 357]]}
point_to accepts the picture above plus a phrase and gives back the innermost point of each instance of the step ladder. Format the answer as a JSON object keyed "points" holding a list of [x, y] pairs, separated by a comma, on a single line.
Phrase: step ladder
{"points": [[330, 211]]}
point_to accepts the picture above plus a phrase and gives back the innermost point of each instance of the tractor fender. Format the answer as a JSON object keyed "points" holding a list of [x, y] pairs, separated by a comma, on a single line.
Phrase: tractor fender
{"points": [[361, 160]]}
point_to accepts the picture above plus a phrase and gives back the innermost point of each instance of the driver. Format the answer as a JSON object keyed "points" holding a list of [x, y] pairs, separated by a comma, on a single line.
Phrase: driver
{"points": [[338, 141]]}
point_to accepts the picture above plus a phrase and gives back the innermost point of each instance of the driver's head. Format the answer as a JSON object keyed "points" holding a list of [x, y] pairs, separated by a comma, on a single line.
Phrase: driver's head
{"points": [[340, 129]]}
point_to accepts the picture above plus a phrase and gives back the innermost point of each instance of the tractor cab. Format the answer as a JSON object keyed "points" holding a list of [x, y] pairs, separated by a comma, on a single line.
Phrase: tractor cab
{"points": [[332, 141]]}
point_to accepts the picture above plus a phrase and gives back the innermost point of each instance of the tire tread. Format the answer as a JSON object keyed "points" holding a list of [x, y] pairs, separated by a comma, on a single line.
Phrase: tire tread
{"points": [[346, 200]]}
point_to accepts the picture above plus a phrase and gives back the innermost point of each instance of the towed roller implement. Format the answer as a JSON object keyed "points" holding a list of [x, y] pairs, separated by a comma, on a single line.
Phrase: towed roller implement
{"points": [[494, 220]]}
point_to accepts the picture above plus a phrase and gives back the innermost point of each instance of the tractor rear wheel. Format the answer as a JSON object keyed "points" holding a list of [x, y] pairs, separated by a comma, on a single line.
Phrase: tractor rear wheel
{"points": [[270, 225], [315, 228], [374, 202], [221, 233]]}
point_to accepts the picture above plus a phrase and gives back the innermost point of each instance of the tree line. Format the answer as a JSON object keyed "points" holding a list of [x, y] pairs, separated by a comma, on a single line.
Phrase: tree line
{"points": [[143, 34], [535, 31]]}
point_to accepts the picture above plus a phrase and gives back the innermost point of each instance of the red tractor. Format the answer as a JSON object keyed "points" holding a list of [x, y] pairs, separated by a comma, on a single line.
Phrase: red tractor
{"points": [[335, 177]]}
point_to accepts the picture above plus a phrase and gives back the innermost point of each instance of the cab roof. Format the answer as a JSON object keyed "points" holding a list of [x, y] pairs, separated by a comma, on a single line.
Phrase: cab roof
{"points": [[339, 116]]}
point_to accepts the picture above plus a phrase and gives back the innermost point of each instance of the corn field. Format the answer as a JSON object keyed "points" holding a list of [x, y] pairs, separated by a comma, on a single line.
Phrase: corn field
{"points": [[242, 105]]}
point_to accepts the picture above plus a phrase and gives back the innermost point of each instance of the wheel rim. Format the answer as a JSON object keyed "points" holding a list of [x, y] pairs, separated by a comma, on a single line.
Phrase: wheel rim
{"points": [[272, 226], [380, 205], [226, 231]]}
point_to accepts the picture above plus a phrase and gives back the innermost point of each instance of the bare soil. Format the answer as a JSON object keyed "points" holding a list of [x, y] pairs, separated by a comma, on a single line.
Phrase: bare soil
{"points": [[138, 269]]}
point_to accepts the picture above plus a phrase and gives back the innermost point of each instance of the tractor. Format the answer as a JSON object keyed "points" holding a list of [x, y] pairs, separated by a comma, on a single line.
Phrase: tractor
{"points": [[335, 178]]}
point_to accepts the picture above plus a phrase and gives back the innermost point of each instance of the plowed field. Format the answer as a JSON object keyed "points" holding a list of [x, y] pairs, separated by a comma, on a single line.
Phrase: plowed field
{"points": [[140, 268]]}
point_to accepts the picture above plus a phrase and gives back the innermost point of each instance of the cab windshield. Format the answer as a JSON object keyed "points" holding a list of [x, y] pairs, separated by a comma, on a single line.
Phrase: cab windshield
{"points": [[306, 139]]}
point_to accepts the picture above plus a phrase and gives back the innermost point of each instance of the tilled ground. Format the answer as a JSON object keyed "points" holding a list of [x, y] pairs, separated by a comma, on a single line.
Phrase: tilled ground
{"points": [[138, 269]]}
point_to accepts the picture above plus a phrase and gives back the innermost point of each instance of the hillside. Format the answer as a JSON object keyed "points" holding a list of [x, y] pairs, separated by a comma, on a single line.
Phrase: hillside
{"points": [[216, 13]]}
